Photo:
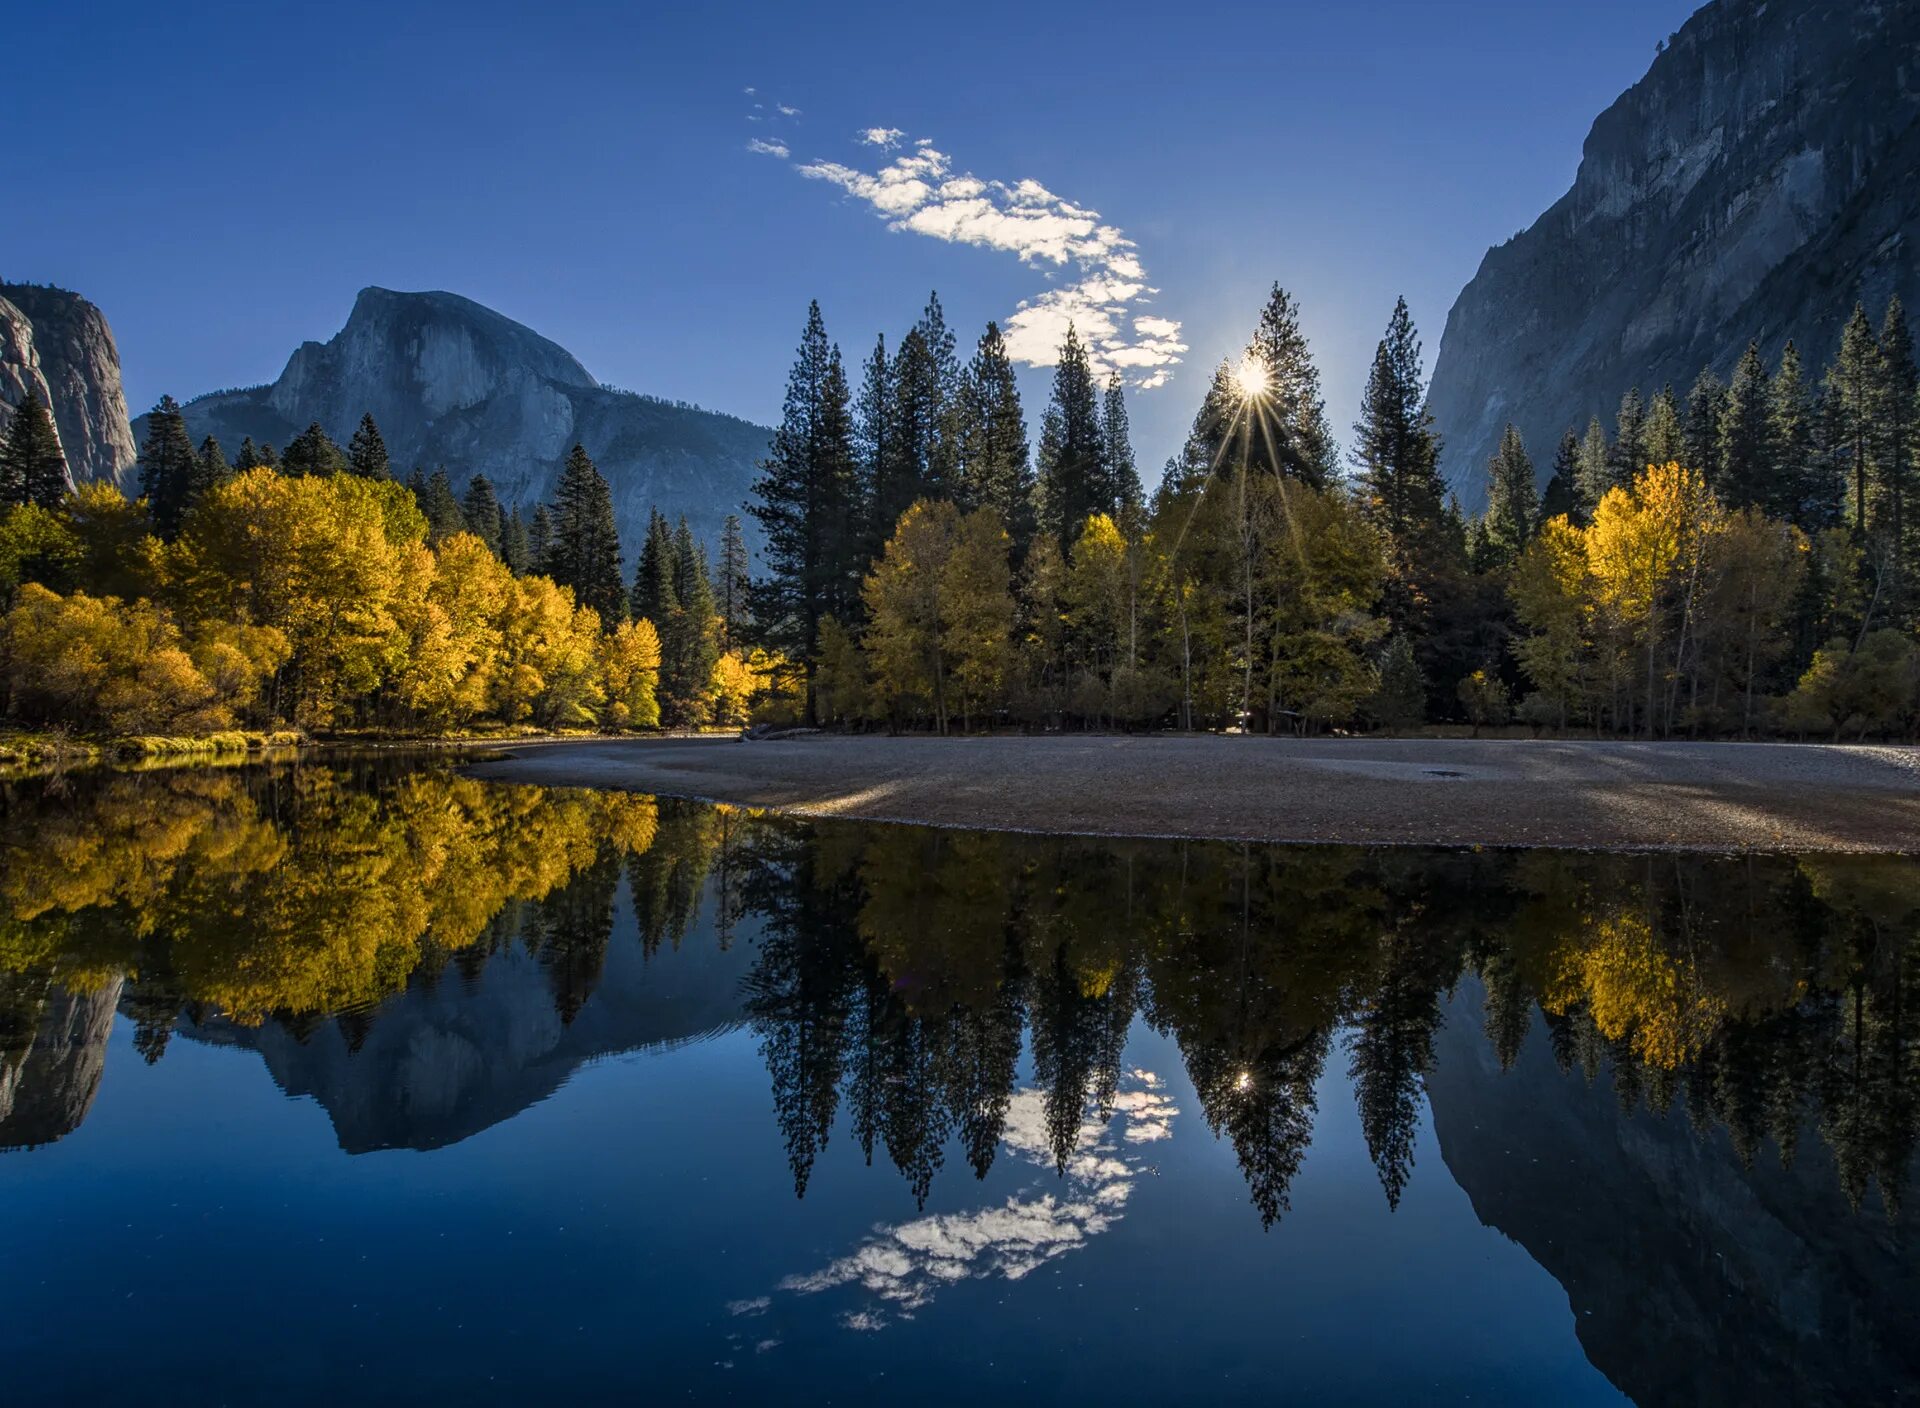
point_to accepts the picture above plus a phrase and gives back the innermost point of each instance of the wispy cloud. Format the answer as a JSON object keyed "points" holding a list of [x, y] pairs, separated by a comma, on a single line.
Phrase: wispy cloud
{"points": [[766, 148], [918, 191]]}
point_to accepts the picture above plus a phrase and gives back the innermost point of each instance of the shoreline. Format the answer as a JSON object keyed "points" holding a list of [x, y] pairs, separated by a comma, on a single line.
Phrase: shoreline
{"points": [[1668, 796]]}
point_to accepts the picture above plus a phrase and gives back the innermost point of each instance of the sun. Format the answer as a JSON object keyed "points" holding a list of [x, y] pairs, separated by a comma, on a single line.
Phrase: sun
{"points": [[1252, 378]]}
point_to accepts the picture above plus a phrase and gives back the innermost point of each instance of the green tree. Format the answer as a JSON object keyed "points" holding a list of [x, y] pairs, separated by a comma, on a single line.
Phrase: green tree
{"points": [[367, 452], [1561, 497], [1742, 470], [656, 577], [515, 548], [1804, 491], [1853, 390], [1897, 398], [585, 549], [1400, 699], [805, 501], [1395, 448], [1123, 475], [1700, 427], [1072, 478], [210, 471], [731, 574], [253, 456], [168, 468], [1666, 433], [311, 452], [1630, 438], [444, 514], [1595, 476], [1293, 437], [481, 509], [1513, 500], [33, 467], [539, 538]]}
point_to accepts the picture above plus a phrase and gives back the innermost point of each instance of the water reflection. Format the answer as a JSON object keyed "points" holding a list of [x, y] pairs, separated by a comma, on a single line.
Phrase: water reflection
{"points": [[1688, 1077]]}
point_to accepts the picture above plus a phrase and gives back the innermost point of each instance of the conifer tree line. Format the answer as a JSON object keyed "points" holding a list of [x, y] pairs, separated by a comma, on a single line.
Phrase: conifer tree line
{"points": [[310, 586], [1736, 562]]}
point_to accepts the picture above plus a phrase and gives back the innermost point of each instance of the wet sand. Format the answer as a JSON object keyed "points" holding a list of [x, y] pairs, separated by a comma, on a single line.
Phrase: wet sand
{"points": [[1450, 792]]}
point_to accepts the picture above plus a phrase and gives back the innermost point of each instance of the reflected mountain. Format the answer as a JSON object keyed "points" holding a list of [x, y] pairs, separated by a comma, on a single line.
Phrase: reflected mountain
{"points": [[1693, 1276], [53, 1048]]}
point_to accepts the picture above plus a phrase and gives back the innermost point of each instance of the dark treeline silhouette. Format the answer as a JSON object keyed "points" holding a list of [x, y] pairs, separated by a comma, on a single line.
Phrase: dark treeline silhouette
{"points": [[899, 974]]}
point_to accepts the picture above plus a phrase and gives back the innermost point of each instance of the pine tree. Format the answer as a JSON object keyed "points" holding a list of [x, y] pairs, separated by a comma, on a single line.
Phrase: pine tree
{"points": [[481, 508], [731, 574], [437, 501], [210, 471], [1700, 428], [251, 456], [873, 447], [1072, 482], [1123, 475], [1561, 498], [690, 648], [1400, 701], [1513, 500], [311, 452], [33, 467], [1853, 388], [367, 452], [916, 420], [515, 550], [539, 540], [1630, 438], [1666, 429], [804, 503], [1595, 475], [1894, 448], [584, 552], [1742, 472], [655, 593], [1395, 448], [1290, 435], [167, 468], [943, 468], [1804, 493], [995, 469]]}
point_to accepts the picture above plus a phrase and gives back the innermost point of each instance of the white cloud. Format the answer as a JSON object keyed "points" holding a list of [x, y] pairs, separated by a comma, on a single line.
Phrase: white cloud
{"points": [[901, 1267], [786, 111], [765, 148], [917, 191]]}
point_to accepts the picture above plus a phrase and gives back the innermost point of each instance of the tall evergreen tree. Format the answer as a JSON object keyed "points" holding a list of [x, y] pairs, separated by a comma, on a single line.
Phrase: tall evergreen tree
{"points": [[367, 452], [311, 452], [1666, 429], [1804, 491], [874, 447], [1630, 438], [1123, 475], [1072, 484], [943, 468], [1853, 389], [1561, 498], [515, 550], [33, 467], [1894, 450], [909, 470], [690, 648], [481, 508], [731, 575], [1595, 475], [1513, 500], [211, 470], [656, 593], [1742, 473], [1395, 448], [1700, 427], [442, 508], [995, 469], [1290, 435], [804, 500], [585, 549], [251, 456], [168, 466], [539, 539]]}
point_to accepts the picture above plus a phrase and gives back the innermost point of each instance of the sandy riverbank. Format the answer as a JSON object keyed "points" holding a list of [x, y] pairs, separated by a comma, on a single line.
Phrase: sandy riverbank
{"points": [[1705, 796]]}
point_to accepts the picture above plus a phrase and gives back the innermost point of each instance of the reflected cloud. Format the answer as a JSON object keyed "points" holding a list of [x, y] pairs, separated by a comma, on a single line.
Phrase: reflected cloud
{"points": [[902, 1266]]}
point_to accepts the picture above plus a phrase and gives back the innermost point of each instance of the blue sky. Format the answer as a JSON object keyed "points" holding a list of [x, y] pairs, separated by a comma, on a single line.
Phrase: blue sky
{"points": [[221, 179]]}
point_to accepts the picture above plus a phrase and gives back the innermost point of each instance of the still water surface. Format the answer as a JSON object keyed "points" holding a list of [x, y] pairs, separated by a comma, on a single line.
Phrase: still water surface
{"points": [[365, 1083]]}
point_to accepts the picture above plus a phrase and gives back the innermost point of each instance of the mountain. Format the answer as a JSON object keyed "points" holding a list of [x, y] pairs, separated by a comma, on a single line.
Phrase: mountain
{"points": [[1763, 176], [456, 384], [58, 344], [1691, 1279], [53, 1049]]}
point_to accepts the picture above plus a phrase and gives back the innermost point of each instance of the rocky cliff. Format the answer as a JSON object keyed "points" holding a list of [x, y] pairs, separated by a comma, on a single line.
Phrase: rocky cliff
{"points": [[1763, 176], [53, 1050], [456, 384], [79, 377]]}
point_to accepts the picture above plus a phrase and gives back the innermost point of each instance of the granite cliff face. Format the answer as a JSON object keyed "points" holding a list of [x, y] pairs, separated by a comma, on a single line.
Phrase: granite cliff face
{"points": [[1763, 176], [79, 368], [453, 383], [53, 1050]]}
